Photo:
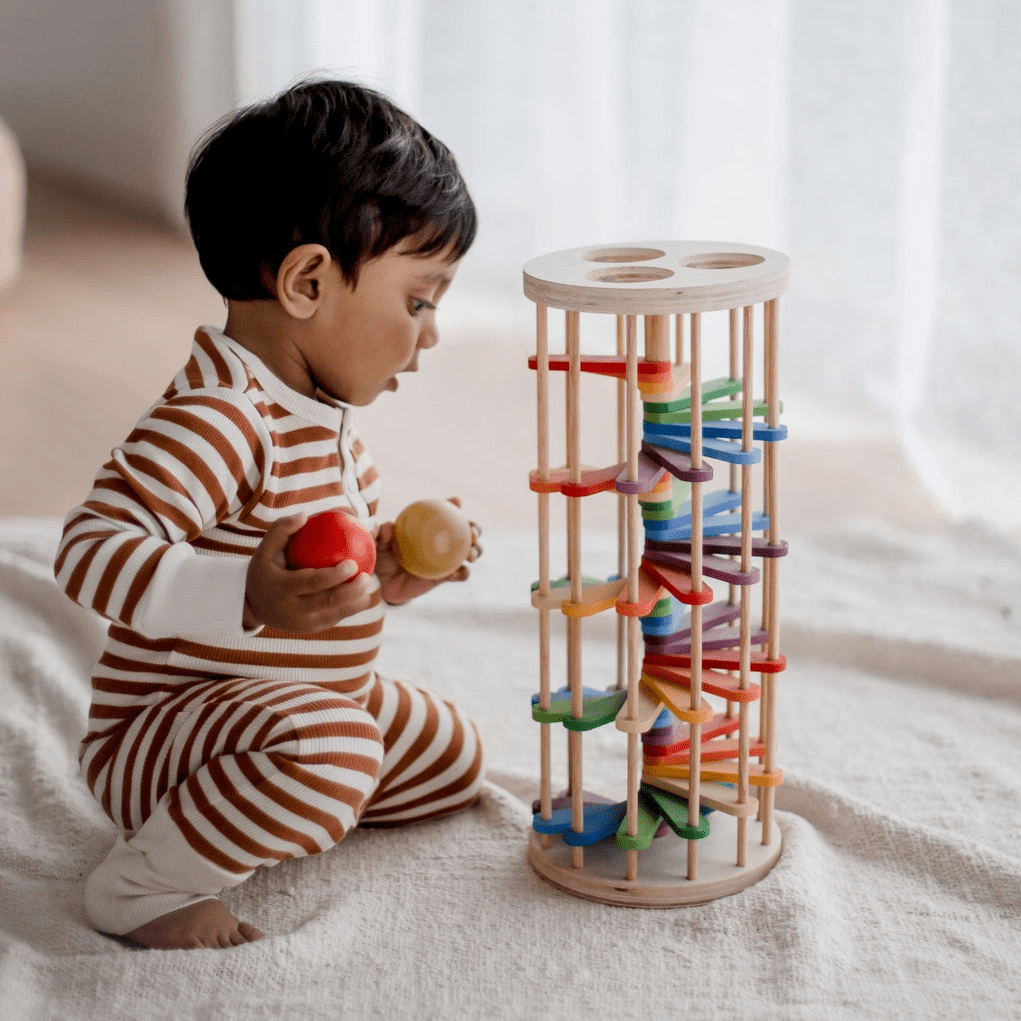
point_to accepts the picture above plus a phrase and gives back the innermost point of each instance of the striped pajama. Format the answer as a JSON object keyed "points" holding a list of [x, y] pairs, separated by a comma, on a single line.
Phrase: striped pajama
{"points": [[214, 749]]}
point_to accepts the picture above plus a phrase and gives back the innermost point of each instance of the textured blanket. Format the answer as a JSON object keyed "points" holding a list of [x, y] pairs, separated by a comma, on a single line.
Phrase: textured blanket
{"points": [[897, 895]]}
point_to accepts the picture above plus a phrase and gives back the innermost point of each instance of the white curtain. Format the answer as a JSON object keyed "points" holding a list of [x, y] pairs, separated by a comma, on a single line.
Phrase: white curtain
{"points": [[878, 143]]}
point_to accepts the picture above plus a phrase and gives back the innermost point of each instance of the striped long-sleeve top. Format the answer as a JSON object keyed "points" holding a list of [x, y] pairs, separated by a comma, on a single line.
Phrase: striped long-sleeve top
{"points": [[162, 543]]}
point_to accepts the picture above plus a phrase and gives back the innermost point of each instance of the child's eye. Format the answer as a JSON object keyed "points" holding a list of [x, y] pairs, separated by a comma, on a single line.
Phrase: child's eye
{"points": [[420, 304]]}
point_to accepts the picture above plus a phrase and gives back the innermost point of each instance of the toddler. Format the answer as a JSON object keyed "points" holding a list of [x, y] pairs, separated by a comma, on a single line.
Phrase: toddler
{"points": [[236, 718]]}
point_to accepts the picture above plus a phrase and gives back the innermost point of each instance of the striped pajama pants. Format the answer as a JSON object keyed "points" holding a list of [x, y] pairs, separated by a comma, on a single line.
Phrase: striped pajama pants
{"points": [[230, 775]]}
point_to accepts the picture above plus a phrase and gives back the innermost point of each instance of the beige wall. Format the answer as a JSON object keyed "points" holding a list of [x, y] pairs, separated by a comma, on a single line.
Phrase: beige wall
{"points": [[96, 90]]}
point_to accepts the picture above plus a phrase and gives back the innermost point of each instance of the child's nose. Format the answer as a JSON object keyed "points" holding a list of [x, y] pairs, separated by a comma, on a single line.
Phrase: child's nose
{"points": [[429, 336]]}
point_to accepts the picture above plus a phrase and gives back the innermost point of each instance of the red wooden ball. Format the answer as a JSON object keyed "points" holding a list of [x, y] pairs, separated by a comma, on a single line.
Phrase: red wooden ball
{"points": [[328, 538]]}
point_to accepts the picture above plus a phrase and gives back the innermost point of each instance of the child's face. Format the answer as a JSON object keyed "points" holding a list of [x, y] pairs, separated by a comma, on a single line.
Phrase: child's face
{"points": [[364, 336]]}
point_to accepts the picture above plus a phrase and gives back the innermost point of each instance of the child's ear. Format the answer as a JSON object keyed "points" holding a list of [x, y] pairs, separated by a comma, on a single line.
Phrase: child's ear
{"points": [[301, 279]]}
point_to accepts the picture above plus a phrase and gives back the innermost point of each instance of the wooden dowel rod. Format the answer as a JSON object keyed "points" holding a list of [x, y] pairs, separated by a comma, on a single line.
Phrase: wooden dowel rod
{"points": [[634, 550], [545, 792], [574, 645], [747, 427], [542, 389], [771, 337], [633, 437], [574, 623], [771, 614], [695, 730], [696, 448], [771, 315], [545, 699], [544, 544], [734, 347], [622, 389], [631, 864], [768, 711], [634, 779], [573, 401], [573, 407], [542, 440], [622, 525], [633, 433], [634, 748], [574, 745], [696, 390], [745, 650]]}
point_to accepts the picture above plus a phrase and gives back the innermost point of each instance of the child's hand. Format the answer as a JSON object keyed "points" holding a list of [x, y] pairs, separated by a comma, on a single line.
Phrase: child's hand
{"points": [[398, 585], [303, 601]]}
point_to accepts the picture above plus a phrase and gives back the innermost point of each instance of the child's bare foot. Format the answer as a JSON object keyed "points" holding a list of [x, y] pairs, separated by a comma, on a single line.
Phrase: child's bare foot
{"points": [[204, 925]]}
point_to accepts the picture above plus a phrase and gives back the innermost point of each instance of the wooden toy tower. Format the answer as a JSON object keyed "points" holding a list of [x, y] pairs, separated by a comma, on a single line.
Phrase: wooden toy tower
{"points": [[696, 478]]}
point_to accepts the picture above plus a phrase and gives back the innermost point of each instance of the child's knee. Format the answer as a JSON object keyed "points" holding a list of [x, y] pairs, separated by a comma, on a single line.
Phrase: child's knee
{"points": [[331, 736], [447, 777]]}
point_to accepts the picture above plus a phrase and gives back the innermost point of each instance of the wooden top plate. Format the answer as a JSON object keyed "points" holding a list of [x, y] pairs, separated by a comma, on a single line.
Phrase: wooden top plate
{"points": [[657, 277]]}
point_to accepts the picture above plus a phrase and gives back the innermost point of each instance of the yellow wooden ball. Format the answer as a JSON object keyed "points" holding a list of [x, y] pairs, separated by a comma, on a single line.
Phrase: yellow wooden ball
{"points": [[431, 538]]}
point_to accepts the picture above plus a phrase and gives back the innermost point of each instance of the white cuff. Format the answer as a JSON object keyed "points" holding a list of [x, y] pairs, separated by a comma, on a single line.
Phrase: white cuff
{"points": [[193, 593]]}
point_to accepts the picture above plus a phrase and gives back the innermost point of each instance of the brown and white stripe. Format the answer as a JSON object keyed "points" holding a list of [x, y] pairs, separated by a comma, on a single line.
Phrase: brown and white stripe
{"points": [[289, 764], [264, 745], [227, 451], [433, 756]]}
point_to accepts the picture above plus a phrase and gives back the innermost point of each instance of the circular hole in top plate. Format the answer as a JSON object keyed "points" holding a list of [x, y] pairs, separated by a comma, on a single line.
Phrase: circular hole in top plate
{"points": [[723, 260], [629, 274], [624, 254]]}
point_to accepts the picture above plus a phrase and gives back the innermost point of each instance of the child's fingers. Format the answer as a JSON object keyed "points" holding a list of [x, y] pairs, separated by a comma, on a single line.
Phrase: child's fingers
{"points": [[323, 608], [275, 540], [333, 605], [311, 580]]}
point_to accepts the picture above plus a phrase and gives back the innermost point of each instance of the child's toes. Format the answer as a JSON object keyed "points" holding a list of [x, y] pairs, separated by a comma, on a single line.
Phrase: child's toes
{"points": [[247, 933]]}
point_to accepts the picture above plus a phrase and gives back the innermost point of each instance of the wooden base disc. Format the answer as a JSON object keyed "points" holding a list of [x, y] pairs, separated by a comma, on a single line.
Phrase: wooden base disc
{"points": [[662, 869]]}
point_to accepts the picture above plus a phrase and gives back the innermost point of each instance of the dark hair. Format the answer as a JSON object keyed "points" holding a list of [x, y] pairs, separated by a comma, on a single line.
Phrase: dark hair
{"points": [[325, 162]]}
